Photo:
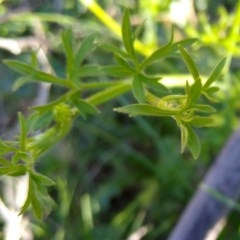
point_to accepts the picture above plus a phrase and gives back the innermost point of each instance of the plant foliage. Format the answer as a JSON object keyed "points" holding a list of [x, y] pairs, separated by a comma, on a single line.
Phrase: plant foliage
{"points": [[152, 98]]}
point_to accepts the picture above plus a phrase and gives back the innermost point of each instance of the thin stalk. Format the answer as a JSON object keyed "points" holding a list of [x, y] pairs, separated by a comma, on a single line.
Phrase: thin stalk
{"points": [[105, 84], [109, 93]]}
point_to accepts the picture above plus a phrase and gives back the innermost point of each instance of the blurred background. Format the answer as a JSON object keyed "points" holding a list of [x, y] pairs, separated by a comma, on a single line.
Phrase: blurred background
{"points": [[119, 177]]}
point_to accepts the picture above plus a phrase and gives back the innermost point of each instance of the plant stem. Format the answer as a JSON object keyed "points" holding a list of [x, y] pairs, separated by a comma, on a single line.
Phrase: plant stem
{"points": [[94, 85], [109, 93]]}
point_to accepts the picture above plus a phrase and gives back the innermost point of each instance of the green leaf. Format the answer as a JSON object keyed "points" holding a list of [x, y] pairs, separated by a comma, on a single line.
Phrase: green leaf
{"points": [[193, 142], [139, 29], [193, 92], [144, 110], [127, 34], [13, 170], [49, 107], [209, 96], [37, 207], [41, 179], [184, 136], [28, 200], [138, 89], [21, 81], [88, 70], [85, 107], [165, 51], [190, 64], [109, 93], [34, 59], [35, 74], [116, 71], [115, 50], [203, 108], [4, 162], [39, 120], [153, 82], [67, 39], [23, 131], [37, 195], [198, 121], [85, 48], [7, 148], [45, 201], [123, 63], [20, 156], [211, 90], [216, 74]]}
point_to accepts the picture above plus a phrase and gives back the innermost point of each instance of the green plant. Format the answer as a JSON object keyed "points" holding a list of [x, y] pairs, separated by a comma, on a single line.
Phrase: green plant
{"points": [[48, 124]]}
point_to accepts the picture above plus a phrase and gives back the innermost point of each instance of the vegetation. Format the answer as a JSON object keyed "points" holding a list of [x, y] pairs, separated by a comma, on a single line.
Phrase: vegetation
{"points": [[114, 175]]}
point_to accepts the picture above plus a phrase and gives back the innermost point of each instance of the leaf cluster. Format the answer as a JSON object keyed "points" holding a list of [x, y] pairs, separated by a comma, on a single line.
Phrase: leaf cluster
{"points": [[49, 123], [184, 108]]}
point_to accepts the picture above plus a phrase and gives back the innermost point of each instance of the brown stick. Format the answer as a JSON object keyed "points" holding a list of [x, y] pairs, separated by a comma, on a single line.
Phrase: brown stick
{"points": [[205, 211]]}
